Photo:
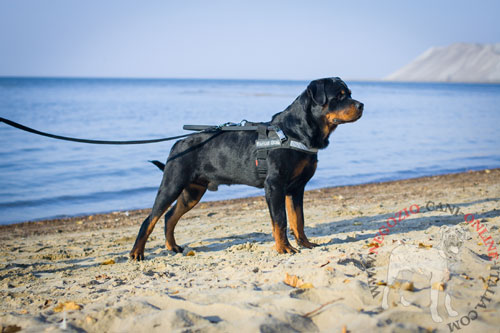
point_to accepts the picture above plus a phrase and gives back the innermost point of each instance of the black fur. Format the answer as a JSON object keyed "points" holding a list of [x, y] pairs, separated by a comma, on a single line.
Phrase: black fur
{"points": [[207, 160]]}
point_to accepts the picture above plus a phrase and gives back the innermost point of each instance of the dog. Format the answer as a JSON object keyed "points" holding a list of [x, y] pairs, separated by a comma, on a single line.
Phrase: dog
{"points": [[205, 160], [432, 263]]}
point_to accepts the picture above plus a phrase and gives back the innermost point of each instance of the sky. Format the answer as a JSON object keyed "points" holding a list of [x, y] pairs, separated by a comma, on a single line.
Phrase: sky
{"points": [[297, 40]]}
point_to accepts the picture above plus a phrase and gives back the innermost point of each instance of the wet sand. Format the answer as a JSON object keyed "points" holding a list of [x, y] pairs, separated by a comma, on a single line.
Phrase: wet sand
{"points": [[74, 274]]}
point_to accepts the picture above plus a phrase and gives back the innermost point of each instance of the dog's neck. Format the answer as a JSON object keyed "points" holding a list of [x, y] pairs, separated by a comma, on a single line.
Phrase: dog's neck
{"points": [[298, 121]]}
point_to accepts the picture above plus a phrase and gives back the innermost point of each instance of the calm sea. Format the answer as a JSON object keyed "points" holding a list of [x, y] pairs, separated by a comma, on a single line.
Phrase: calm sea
{"points": [[407, 130]]}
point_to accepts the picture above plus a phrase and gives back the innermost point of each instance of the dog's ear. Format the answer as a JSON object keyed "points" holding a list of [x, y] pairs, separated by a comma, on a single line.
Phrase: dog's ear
{"points": [[332, 87], [316, 91]]}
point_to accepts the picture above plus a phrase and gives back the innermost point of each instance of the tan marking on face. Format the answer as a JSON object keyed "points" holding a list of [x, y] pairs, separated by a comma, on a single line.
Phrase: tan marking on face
{"points": [[328, 125], [347, 114]]}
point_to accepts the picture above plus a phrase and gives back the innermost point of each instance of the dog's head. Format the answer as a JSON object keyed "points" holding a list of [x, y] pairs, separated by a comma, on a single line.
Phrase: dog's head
{"points": [[452, 239], [331, 103]]}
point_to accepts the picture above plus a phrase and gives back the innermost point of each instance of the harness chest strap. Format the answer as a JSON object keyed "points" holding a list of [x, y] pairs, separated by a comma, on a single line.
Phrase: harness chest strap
{"points": [[290, 144], [264, 143]]}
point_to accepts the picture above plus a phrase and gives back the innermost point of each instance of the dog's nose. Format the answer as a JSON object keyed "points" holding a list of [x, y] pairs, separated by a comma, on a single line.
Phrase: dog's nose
{"points": [[360, 106]]}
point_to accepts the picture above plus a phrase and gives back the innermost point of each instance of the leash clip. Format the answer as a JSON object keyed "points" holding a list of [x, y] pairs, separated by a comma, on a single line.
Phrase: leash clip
{"points": [[226, 125]]}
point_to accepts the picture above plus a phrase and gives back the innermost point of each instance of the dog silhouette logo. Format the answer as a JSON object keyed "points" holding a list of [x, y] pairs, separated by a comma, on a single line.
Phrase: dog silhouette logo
{"points": [[432, 263]]}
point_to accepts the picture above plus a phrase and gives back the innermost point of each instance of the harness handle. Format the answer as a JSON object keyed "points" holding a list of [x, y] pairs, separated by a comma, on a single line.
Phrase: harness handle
{"points": [[224, 127], [197, 127]]}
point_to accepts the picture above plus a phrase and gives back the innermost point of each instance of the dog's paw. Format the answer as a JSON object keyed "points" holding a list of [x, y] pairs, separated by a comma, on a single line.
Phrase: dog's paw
{"points": [[306, 243], [136, 255], [286, 248], [176, 248]]}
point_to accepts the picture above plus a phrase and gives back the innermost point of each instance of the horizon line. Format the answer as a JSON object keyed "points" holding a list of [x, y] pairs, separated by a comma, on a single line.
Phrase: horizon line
{"points": [[170, 78], [383, 80]]}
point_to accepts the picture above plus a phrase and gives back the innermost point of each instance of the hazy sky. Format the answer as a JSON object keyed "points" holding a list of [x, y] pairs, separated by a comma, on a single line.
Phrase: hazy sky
{"points": [[232, 39]]}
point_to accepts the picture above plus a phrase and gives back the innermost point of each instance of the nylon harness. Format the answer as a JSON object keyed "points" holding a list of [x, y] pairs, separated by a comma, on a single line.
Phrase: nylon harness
{"points": [[269, 137]]}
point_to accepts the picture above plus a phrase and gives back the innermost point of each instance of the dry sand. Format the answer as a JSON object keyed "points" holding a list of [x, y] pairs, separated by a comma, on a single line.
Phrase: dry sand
{"points": [[74, 274]]}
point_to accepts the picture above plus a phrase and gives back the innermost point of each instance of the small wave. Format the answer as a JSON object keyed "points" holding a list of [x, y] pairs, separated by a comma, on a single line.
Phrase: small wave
{"points": [[194, 92], [84, 198]]}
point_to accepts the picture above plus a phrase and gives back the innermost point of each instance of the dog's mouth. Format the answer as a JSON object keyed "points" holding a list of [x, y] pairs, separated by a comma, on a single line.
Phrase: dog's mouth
{"points": [[357, 107], [334, 119], [351, 112], [360, 113], [360, 107]]}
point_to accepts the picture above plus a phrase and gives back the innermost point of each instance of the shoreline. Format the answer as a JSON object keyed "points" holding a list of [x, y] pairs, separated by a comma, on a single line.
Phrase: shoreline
{"points": [[55, 224], [75, 273]]}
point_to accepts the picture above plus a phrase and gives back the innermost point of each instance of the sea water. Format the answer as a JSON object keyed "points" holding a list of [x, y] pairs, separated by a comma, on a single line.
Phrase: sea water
{"points": [[407, 130]]}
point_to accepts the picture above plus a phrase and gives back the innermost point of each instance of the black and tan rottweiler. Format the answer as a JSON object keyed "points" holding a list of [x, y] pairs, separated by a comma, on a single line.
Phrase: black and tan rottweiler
{"points": [[205, 160]]}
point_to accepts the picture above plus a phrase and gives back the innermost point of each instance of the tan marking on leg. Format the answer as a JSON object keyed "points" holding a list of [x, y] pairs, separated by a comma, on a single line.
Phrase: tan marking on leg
{"points": [[282, 245], [296, 219], [137, 252], [179, 210], [184, 204], [296, 222], [151, 225], [299, 168]]}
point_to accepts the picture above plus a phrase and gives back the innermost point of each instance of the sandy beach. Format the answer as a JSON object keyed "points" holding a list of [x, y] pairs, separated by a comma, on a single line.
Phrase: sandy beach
{"points": [[418, 238]]}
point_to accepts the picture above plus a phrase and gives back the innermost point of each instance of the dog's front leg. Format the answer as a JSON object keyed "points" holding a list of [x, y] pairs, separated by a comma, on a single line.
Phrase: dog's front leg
{"points": [[295, 212], [275, 197]]}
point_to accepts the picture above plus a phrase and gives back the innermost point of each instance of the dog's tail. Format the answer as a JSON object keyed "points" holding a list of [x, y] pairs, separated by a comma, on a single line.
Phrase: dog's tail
{"points": [[160, 165]]}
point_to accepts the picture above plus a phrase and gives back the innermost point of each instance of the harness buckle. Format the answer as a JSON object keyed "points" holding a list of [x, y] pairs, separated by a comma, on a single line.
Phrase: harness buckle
{"points": [[278, 131]]}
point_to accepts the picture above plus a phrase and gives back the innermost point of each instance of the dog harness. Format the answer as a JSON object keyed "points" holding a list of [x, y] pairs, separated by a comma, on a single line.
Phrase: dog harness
{"points": [[272, 137], [269, 137]]}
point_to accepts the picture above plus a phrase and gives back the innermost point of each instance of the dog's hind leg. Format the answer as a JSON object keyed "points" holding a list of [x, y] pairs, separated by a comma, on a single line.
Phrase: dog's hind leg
{"points": [[167, 194], [137, 252], [189, 197]]}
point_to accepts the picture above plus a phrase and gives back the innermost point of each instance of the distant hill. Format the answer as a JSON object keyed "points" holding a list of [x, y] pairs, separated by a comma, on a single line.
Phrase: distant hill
{"points": [[459, 62]]}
